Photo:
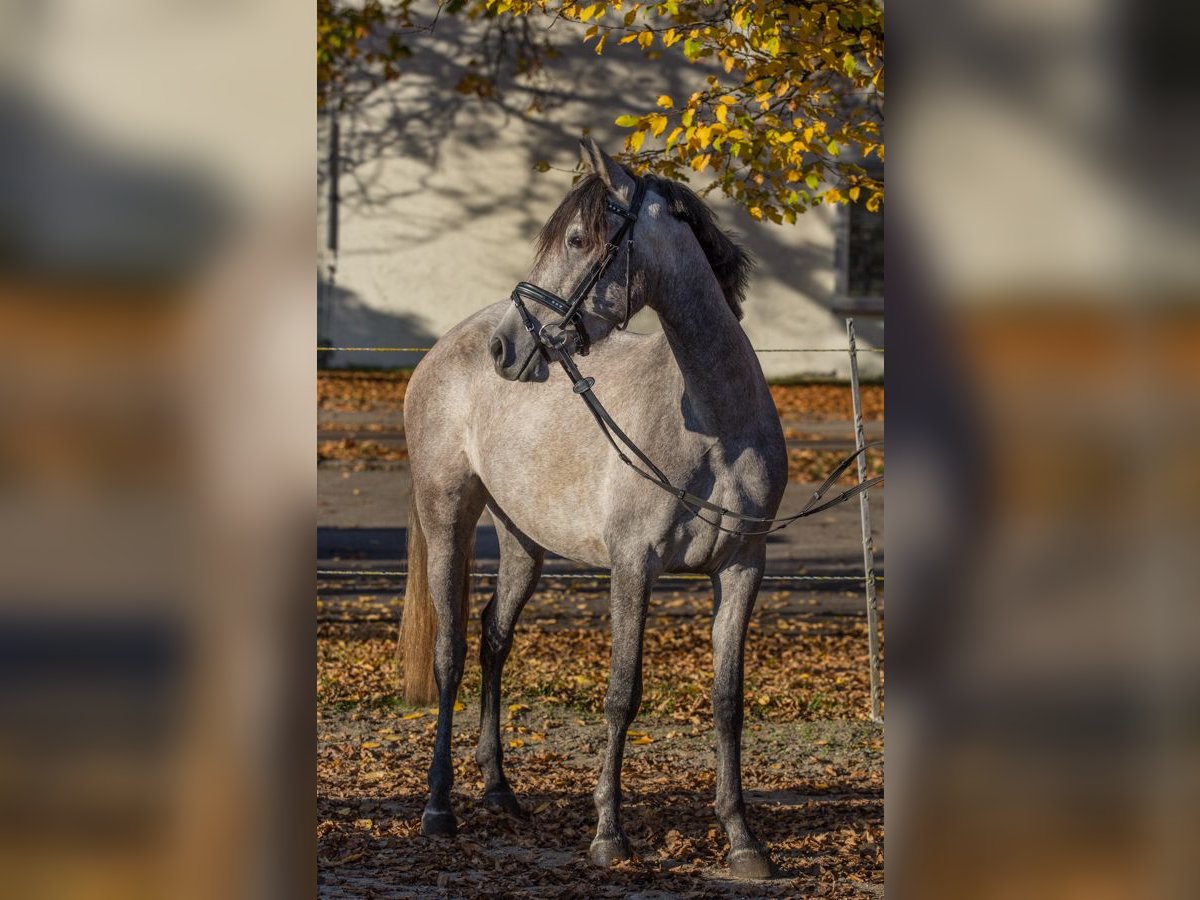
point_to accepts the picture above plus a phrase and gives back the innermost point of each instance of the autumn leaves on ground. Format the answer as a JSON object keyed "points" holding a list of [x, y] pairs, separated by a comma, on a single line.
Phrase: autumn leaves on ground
{"points": [[812, 766]]}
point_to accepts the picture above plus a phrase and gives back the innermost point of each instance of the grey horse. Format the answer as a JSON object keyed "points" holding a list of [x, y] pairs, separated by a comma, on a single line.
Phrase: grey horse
{"points": [[522, 446]]}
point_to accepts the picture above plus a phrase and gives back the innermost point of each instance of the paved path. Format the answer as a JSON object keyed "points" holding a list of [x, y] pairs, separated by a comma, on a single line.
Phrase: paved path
{"points": [[362, 519]]}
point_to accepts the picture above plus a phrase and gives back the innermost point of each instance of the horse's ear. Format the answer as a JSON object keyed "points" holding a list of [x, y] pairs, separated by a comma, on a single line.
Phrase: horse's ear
{"points": [[597, 161]]}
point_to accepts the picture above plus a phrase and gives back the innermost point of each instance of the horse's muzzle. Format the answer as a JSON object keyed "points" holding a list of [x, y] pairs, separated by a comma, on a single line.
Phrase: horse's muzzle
{"points": [[517, 360]]}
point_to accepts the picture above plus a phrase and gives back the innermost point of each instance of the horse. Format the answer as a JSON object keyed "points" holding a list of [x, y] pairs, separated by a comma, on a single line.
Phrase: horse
{"points": [[492, 425]]}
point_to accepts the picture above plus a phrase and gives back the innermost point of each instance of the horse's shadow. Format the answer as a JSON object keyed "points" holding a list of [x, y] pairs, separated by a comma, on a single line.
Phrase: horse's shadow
{"points": [[668, 828]]}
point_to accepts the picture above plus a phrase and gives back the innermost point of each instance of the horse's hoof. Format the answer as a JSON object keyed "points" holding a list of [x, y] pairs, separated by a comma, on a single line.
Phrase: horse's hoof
{"points": [[438, 824], [505, 802], [751, 863], [606, 851]]}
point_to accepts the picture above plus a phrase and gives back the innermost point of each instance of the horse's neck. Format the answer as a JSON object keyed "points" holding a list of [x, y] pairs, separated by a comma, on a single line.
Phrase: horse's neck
{"points": [[722, 379]]}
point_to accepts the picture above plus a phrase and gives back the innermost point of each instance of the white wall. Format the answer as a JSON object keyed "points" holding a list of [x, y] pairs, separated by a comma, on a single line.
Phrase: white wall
{"points": [[440, 204]]}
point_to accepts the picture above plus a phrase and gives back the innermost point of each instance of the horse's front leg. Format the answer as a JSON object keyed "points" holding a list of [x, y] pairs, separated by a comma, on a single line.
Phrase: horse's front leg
{"points": [[520, 566], [736, 587], [630, 595]]}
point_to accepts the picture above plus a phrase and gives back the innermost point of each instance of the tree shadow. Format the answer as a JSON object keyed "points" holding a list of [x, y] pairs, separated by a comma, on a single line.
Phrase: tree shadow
{"points": [[415, 136]]}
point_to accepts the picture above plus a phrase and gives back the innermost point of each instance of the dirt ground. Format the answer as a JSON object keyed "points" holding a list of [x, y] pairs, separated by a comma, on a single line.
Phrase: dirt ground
{"points": [[813, 763]]}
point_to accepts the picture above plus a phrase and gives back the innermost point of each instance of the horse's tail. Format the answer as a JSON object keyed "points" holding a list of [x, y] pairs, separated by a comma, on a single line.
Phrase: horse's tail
{"points": [[418, 626]]}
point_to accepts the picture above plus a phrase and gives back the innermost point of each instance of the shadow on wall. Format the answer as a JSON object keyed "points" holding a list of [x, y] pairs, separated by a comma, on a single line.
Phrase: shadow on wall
{"points": [[344, 320], [421, 116]]}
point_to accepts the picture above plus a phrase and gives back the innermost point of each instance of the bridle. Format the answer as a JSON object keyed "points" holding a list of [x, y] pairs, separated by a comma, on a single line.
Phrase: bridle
{"points": [[570, 309], [557, 345]]}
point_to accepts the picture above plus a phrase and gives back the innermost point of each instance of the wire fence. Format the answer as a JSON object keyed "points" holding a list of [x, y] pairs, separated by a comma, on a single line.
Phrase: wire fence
{"points": [[595, 576], [869, 579]]}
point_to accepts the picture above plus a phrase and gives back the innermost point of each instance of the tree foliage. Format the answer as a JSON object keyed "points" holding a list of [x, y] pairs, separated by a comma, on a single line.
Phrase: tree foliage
{"points": [[789, 111]]}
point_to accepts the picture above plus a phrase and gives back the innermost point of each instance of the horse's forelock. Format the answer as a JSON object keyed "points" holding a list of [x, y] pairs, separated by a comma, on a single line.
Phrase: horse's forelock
{"points": [[586, 200], [730, 262]]}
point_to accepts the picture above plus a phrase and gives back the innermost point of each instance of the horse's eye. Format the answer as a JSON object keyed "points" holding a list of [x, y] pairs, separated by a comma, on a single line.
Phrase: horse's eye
{"points": [[575, 241]]}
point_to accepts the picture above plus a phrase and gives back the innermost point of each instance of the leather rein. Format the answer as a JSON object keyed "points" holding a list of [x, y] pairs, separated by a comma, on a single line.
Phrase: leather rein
{"points": [[558, 346]]}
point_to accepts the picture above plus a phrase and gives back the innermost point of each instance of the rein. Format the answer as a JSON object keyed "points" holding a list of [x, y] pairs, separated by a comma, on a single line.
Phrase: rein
{"points": [[569, 310], [582, 386]]}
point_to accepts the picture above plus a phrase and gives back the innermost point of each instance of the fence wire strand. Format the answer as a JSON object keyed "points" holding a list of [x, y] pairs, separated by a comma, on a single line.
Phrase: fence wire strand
{"points": [[584, 576]]}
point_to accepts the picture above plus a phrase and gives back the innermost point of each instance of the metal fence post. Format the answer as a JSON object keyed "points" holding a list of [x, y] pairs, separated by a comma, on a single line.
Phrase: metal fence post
{"points": [[868, 544]]}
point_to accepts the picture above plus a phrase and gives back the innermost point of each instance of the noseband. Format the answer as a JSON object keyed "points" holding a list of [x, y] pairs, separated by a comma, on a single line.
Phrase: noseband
{"points": [[570, 309]]}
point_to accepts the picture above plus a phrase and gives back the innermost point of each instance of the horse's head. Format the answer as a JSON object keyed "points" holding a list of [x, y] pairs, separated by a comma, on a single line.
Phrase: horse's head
{"points": [[573, 242]]}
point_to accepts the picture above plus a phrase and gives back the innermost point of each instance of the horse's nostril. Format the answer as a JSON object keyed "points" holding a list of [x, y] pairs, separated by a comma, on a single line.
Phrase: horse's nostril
{"points": [[496, 346]]}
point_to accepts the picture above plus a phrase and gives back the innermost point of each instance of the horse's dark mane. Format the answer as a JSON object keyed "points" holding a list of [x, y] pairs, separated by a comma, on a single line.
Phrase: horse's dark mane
{"points": [[730, 262]]}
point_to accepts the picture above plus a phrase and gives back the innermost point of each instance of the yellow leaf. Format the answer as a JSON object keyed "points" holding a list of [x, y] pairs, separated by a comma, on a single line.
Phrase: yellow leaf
{"points": [[787, 137], [763, 699], [645, 39], [628, 39], [728, 99], [665, 101], [414, 715], [854, 192], [517, 707], [600, 43], [721, 112], [370, 745], [700, 163], [635, 140], [458, 706], [642, 739], [516, 743], [658, 123]]}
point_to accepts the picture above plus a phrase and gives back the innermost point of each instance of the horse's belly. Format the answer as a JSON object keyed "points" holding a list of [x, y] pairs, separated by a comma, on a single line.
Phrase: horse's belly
{"points": [[565, 524]]}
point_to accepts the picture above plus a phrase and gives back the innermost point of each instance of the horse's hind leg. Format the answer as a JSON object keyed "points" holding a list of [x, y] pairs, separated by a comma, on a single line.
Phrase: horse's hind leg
{"points": [[631, 586], [736, 587], [448, 518], [520, 566]]}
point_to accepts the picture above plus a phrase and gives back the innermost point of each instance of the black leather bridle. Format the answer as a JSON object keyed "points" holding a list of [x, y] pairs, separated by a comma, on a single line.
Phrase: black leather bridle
{"points": [[570, 309], [556, 346]]}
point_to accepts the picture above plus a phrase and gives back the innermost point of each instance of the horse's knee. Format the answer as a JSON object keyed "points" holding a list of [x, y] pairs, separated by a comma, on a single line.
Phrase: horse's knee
{"points": [[620, 712], [727, 704]]}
